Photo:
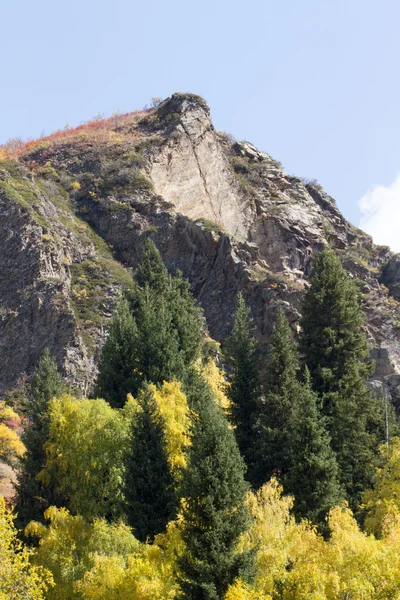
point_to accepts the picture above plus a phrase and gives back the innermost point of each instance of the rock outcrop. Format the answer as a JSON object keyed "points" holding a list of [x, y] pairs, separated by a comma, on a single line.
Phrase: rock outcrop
{"points": [[76, 208]]}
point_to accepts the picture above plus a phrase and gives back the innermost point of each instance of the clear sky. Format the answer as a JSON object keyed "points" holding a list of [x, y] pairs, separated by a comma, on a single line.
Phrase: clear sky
{"points": [[315, 83]]}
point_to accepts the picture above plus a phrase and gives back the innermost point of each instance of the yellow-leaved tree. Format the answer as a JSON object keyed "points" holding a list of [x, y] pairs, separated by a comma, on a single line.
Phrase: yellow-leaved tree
{"points": [[148, 574], [98, 560], [173, 407], [11, 446], [216, 380], [86, 452], [294, 562], [19, 579], [384, 498]]}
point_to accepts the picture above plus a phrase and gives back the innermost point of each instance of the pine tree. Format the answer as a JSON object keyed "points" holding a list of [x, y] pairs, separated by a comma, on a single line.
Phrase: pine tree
{"points": [[155, 337], [332, 338], [169, 323], [214, 512], [281, 391], [186, 317], [244, 391], [32, 496], [335, 350], [118, 373], [313, 477], [294, 441], [157, 349], [151, 269], [150, 497]]}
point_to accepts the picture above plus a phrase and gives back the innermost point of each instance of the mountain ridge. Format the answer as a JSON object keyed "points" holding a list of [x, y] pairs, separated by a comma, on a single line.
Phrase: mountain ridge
{"points": [[76, 207]]}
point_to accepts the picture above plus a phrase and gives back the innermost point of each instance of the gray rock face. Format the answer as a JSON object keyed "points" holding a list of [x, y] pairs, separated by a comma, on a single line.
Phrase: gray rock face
{"points": [[35, 307], [391, 276], [223, 212], [192, 172]]}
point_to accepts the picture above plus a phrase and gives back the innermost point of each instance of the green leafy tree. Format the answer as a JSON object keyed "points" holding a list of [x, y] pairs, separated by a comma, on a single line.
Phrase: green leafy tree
{"points": [[118, 374], [244, 389], [149, 492], [214, 512], [32, 497], [335, 350]]}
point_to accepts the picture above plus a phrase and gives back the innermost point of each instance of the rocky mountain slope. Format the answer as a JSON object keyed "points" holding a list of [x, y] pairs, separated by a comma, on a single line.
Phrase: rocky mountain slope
{"points": [[75, 208]]}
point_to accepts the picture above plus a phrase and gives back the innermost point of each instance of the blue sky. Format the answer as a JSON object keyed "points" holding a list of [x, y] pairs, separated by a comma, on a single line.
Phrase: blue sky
{"points": [[312, 82]]}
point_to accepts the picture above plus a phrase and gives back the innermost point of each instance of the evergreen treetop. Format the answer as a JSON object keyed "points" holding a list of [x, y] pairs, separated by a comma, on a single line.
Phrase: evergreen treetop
{"points": [[335, 350], [151, 269], [118, 372], [214, 511], [244, 389], [281, 392], [150, 497], [32, 497], [332, 339]]}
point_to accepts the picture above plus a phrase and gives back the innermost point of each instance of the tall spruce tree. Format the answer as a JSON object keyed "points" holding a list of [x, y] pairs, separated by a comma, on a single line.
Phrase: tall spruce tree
{"points": [[155, 337], [335, 350], [157, 351], [281, 391], [151, 269], [150, 496], [214, 511], [165, 308], [32, 496], [244, 391], [294, 443], [118, 373], [313, 477]]}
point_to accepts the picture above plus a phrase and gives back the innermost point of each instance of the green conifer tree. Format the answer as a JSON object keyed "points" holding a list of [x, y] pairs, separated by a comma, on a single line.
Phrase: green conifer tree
{"points": [[157, 349], [155, 337], [151, 269], [169, 322], [32, 496], [313, 477], [186, 318], [214, 512], [294, 440], [335, 350], [118, 374], [150, 497], [244, 391], [281, 391]]}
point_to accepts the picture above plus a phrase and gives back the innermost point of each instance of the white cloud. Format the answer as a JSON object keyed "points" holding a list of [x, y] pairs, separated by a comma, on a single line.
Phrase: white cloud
{"points": [[380, 208]]}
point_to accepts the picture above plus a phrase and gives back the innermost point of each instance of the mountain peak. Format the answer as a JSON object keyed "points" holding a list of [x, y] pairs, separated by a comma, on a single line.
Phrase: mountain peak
{"points": [[77, 206]]}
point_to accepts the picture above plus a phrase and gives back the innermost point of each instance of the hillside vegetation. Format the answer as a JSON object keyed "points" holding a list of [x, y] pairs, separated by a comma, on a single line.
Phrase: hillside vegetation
{"points": [[277, 481], [198, 382]]}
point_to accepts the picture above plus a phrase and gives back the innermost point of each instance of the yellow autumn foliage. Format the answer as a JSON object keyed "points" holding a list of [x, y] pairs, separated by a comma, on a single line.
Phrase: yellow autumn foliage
{"points": [[384, 499], [173, 407], [19, 579], [294, 562], [11, 446], [98, 560], [216, 380], [145, 575]]}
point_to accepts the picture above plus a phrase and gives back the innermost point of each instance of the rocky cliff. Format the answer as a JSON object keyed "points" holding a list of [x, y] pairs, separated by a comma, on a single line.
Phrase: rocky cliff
{"points": [[76, 206]]}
